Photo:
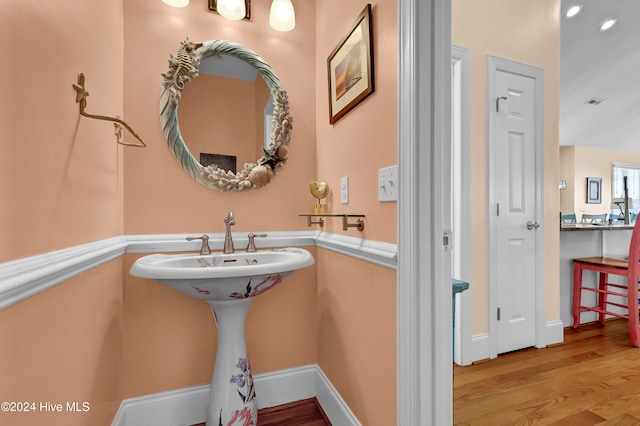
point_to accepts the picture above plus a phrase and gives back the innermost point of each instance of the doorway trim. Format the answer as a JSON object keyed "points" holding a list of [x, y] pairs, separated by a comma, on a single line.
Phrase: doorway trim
{"points": [[495, 64], [424, 372], [461, 208]]}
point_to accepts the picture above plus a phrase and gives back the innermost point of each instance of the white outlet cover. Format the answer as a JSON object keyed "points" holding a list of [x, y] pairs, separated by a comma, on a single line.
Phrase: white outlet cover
{"points": [[344, 190], [388, 184]]}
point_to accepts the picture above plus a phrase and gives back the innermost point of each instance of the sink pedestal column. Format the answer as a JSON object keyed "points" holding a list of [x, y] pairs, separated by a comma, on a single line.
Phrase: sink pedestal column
{"points": [[232, 398]]}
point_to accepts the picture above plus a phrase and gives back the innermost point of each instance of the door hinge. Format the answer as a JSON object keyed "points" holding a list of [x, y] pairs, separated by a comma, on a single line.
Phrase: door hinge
{"points": [[498, 209], [498, 314]]}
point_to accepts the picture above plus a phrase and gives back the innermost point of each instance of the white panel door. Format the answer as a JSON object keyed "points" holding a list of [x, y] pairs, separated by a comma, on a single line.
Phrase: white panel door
{"points": [[514, 192]]}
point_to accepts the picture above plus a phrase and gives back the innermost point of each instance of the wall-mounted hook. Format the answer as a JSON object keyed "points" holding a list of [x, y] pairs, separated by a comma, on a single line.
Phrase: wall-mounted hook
{"points": [[81, 98]]}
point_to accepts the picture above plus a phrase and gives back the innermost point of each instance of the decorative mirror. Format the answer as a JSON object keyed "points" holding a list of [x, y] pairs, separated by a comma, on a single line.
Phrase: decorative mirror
{"points": [[182, 69]]}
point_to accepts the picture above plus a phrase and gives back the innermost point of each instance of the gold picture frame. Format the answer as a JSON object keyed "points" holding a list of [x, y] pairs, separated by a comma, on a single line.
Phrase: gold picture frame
{"points": [[350, 68]]}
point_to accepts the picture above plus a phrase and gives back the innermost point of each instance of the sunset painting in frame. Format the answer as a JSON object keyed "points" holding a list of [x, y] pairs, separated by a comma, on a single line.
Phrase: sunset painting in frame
{"points": [[350, 68]]}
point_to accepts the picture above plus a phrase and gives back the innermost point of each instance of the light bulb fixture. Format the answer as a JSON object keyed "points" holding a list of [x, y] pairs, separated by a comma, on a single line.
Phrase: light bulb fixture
{"points": [[282, 17], [176, 3], [606, 25], [573, 11], [231, 9]]}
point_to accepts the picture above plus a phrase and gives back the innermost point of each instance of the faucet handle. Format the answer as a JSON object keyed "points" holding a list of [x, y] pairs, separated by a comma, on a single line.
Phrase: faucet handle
{"points": [[251, 247], [204, 249]]}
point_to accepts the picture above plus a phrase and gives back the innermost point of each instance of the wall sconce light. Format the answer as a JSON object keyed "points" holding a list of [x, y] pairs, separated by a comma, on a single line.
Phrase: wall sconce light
{"points": [[176, 3], [231, 9], [282, 17]]}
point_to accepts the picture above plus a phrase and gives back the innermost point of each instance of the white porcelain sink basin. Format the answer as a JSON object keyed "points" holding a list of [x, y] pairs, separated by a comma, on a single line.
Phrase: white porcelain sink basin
{"points": [[222, 276], [228, 282]]}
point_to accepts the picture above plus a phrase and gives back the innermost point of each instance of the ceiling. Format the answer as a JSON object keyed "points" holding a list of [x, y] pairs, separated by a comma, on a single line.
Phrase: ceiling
{"points": [[604, 65]]}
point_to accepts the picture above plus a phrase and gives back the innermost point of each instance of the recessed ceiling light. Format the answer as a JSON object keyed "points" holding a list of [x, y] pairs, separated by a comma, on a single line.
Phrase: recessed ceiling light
{"points": [[608, 24], [573, 11]]}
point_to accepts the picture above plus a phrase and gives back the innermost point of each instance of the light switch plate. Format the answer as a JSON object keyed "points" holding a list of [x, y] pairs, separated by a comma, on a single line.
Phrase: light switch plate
{"points": [[388, 184], [344, 190]]}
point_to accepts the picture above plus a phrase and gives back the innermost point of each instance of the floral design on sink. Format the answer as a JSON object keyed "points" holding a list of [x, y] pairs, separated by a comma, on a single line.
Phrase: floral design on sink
{"points": [[246, 391], [264, 285], [223, 276], [228, 282], [216, 262]]}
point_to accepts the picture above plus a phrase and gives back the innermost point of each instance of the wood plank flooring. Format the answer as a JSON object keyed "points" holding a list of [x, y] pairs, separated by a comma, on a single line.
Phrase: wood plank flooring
{"points": [[306, 412], [301, 413], [591, 379]]}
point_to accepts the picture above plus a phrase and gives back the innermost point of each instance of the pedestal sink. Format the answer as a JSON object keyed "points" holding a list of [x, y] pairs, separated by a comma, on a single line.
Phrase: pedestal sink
{"points": [[228, 282]]}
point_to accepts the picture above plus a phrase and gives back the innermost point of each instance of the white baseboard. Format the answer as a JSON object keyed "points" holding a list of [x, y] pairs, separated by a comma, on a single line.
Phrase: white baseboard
{"points": [[481, 343], [185, 407], [553, 333], [182, 407], [480, 347], [332, 403]]}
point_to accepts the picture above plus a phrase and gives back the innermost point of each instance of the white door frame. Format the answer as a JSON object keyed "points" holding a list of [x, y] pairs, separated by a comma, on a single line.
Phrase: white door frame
{"points": [[495, 64], [461, 62], [424, 373]]}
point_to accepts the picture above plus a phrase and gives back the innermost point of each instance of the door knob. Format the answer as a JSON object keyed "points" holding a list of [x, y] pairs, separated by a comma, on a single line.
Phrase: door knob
{"points": [[532, 225]]}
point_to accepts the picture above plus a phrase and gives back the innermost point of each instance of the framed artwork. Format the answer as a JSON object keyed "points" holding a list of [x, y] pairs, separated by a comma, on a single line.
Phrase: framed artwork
{"points": [[350, 68], [594, 190]]}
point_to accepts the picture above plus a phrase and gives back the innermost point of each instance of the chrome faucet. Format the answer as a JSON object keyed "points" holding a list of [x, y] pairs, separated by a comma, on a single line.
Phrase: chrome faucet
{"points": [[204, 249], [228, 241], [251, 247]]}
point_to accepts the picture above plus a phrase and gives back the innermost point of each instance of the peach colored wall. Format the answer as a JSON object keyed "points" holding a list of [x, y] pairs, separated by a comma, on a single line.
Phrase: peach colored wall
{"points": [[365, 139], [60, 174], [159, 196], [593, 162], [357, 334], [71, 193], [65, 345], [61, 185], [527, 32], [216, 116], [357, 300], [170, 339], [170, 343]]}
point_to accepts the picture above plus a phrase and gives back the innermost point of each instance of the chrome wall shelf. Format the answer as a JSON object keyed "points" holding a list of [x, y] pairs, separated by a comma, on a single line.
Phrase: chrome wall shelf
{"points": [[359, 224]]}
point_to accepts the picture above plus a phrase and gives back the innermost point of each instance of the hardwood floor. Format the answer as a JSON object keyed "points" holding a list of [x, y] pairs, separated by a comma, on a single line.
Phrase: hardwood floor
{"points": [[300, 413], [591, 379], [306, 412]]}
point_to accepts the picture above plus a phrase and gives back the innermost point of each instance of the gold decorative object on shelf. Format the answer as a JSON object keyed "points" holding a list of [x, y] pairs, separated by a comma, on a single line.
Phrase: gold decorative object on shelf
{"points": [[81, 98], [319, 190]]}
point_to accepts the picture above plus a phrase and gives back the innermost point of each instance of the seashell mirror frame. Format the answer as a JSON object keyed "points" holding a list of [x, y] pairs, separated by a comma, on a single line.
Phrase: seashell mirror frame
{"points": [[182, 69]]}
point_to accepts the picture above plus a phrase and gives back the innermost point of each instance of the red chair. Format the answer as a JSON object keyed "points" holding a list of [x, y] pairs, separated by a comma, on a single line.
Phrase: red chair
{"points": [[606, 266]]}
